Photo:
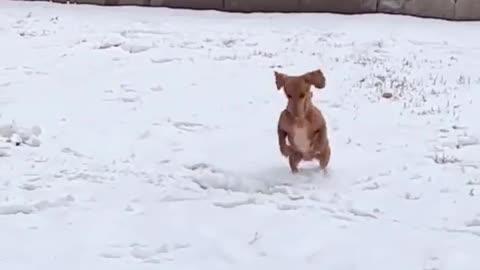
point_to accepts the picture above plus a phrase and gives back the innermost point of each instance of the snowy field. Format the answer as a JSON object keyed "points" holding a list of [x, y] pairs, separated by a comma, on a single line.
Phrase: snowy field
{"points": [[147, 140]]}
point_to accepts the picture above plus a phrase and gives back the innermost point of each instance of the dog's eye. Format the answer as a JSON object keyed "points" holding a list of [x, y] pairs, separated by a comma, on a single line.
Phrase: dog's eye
{"points": [[289, 96], [302, 95]]}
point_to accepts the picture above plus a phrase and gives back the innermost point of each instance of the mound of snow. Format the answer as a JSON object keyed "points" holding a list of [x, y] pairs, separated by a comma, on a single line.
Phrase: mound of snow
{"points": [[19, 135], [109, 41]]}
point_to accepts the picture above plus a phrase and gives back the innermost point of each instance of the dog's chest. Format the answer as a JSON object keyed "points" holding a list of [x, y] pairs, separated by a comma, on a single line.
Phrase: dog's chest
{"points": [[301, 139]]}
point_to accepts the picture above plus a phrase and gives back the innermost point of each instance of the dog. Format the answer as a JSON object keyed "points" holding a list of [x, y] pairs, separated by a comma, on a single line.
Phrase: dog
{"points": [[301, 122]]}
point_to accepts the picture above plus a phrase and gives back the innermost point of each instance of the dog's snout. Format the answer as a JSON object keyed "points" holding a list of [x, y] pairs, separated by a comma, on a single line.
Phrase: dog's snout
{"points": [[297, 109]]}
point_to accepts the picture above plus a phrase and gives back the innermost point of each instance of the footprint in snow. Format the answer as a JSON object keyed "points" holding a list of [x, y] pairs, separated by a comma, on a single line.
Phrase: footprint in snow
{"points": [[234, 204], [473, 223], [188, 126], [157, 88], [361, 213], [142, 252], [155, 255], [30, 187], [164, 60], [112, 255], [5, 84]]}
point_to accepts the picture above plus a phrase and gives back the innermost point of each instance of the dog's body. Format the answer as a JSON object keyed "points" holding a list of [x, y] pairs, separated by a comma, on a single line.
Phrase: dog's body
{"points": [[301, 123]]}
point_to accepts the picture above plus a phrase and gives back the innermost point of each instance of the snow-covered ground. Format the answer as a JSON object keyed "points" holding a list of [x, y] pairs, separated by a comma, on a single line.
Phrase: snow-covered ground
{"points": [[149, 141]]}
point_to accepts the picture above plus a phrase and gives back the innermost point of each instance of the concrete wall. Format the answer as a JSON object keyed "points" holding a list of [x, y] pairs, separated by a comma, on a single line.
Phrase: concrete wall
{"points": [[443, 9]]}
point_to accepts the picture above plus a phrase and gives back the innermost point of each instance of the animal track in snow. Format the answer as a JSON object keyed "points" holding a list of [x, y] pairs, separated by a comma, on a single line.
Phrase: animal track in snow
{"points": [[30, 186], [233, 204], [157, 88], [286, 207], [5, 84], [410, 197], [464, 231], [361, 213], [164, 60], [373, 186], [112, 254], [188, 126], [473, 182], [473, 222], [170, 198], [142, 252], [68, 150], [3, 153], [340, 217]]}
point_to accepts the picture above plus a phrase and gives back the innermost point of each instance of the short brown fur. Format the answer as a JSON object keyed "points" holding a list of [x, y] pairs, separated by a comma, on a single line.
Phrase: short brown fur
{"points": [[301, 122]]}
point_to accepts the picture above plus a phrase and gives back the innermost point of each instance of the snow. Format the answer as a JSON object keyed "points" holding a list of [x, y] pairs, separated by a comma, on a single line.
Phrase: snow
{"points": [[155, 142]]}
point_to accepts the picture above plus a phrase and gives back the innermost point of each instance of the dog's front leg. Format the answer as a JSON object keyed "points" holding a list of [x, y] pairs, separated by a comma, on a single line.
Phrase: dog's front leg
{"points": [[293, 160], [282, 142]]}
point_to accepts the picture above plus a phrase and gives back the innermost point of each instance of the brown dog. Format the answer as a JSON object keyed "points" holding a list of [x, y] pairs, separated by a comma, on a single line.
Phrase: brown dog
{"points": [[301, 122]]}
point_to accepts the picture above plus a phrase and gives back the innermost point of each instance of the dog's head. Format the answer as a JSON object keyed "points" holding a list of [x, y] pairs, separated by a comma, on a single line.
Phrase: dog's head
{"points": [[297, 90]]}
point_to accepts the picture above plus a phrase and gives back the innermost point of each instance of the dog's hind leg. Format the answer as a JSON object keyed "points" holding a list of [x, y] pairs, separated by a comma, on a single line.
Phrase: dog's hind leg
{"points": [[323, 147], [324, 157]]}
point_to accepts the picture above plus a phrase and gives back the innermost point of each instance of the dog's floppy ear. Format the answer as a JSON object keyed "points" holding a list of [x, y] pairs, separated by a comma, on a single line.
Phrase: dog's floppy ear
{"points": [[315, 78], [280, 79]]}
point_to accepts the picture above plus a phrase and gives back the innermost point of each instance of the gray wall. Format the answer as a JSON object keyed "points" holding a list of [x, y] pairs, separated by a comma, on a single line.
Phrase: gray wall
{"points": [[444, 9]]}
